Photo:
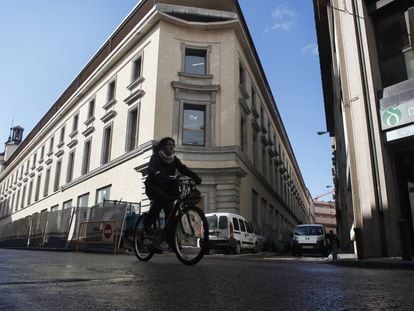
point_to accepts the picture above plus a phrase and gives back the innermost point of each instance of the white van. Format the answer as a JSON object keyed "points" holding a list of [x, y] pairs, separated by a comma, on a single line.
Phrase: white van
{"points": [[310, 238], [231, 232]]}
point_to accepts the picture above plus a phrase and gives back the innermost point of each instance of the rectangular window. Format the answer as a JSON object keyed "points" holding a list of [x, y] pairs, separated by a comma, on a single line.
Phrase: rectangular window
{"points": [[255, 198], [111, 91], [71, 163], [263, 212], [91, 108], [242, 75], [264, 162], [75, 122], [86, 156], [47, 181], [395, 52], [255, 149], [34, 160], [83, 200], [103, 193], [37, 193], [52, 141], [254, 99], [67, 204], [42, 153], [62, 135], [54, 208], [29, 195], [195, 61], [132, 130], [57, 175], [23, 197], [243, 134], [194, 125], [136, 69], [106, 145]]}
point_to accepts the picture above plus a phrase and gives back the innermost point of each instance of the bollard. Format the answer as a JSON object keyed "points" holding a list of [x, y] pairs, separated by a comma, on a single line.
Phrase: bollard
{"points": [[405, 239]]}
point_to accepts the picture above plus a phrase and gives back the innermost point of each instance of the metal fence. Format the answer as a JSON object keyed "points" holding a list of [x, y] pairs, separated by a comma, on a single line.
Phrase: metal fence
{"points": [[60, 229]]}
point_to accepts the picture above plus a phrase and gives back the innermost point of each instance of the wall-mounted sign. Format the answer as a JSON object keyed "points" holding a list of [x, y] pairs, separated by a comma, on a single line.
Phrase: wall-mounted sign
{"points": [[397, 115]]}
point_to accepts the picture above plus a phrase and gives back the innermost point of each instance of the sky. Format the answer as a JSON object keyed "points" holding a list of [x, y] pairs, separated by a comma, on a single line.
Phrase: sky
{"points": [[46, 43]]}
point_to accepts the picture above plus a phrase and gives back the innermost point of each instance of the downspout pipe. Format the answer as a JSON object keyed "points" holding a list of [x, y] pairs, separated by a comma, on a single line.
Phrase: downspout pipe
{"points": [[370, 122]]}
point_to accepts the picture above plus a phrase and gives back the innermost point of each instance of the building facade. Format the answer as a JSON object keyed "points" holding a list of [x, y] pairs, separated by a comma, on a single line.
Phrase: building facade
{"points": [[366, 55], [186, 69], [325, 214]]}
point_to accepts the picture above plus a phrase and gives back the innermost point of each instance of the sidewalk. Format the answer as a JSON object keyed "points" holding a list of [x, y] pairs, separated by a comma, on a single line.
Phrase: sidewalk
{"points": [[350, 260]]}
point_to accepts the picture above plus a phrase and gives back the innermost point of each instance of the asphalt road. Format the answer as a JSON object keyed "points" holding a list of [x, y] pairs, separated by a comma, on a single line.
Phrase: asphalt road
{"points": [[44, 280]]}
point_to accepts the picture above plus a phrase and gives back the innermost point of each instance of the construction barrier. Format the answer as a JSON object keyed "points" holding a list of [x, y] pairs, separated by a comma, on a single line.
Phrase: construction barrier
{"points": [[98, 232], [62, 229]]}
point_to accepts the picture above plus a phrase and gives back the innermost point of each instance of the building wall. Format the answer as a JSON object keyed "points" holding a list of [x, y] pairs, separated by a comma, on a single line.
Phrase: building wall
{"points": [[268, 188], [365, 178]]}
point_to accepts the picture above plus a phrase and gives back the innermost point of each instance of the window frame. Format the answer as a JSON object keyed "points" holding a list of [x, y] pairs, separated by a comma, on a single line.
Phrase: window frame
{"points": [[128, 145], [188, 105], [106, 144]]}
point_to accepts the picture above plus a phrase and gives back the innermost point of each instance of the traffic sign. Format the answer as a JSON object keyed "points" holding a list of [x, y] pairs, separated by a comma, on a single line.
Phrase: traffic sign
{"points": [[107, 235]]}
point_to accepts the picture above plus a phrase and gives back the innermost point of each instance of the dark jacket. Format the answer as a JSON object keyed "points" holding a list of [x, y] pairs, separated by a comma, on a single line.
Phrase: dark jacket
{"points": [[159, 170]]}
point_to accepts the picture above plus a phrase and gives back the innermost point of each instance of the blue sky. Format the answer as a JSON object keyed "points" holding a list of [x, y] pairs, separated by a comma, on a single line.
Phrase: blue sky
{"points": [[45, 44]]}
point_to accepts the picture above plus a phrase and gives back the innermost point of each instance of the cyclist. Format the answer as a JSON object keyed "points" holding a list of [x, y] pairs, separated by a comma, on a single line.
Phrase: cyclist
{"points": [[159, 187]]}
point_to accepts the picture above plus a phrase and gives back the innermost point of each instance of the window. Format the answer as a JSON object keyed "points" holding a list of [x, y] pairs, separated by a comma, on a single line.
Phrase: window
{"points": [[52, 141], [47, 181], [242, 225], [29, 195], [255, 149], [37, 193], [264, 161], [242, 75], [83, 200], [111, 91], [91, 109], [34, 160], [106, 145], [42, 153], [236, 224], [62, 135], [255, 198], [54, 208], [23, 197], [71, 163], [136, 69], [194, 125], [243, 134], [396, 55], [263, 213], [75, 123], [67, 204], [254, 99], [57, 175], [132, 130], [195, 61], [86, 156], [103, 193]]}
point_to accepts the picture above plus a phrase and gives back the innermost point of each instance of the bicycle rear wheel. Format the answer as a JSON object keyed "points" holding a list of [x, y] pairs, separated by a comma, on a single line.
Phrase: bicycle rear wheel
{"points": [[142, 243], [191, 236]]}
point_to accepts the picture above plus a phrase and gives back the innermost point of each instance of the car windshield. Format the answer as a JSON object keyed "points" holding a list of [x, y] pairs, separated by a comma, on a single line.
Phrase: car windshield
{"points": [[309, 230]]}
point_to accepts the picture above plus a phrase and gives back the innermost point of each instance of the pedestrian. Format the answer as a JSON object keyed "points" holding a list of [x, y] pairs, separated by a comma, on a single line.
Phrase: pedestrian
{"points": [[333, 244]]}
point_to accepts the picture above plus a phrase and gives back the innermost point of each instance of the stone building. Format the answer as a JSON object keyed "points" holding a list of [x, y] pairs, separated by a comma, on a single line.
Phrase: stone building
{"points": [[183, 68]]}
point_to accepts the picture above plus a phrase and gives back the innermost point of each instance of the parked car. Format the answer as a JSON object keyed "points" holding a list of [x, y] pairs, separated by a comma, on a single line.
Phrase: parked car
{"points": [[231, 232], [309, 238]]}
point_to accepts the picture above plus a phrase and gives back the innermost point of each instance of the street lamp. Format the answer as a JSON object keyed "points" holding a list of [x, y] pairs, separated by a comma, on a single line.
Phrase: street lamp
{"points": [[322, 132]]}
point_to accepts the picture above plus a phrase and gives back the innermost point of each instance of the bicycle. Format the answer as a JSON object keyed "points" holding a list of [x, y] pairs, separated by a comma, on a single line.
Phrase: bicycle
{"points": [[185, 230]]}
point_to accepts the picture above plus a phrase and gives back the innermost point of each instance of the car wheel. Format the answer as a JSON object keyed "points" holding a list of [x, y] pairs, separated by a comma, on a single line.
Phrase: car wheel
{"points": [[237, 249]]}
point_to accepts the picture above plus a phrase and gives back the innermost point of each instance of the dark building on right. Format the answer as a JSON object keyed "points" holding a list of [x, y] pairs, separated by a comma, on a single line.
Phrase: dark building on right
{"points": [[367, 68]]}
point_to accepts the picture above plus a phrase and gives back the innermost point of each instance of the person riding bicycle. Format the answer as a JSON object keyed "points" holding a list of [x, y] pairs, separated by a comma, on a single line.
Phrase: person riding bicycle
{"points": [[159, 187]]}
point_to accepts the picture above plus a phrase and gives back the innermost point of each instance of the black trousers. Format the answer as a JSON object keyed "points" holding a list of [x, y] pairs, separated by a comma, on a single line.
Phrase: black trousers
{"points": [[162, 198]]}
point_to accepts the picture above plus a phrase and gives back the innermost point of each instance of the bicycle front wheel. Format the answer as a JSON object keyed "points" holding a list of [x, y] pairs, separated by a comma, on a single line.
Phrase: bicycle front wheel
{"points": [[142, 243], [191, 236]]}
